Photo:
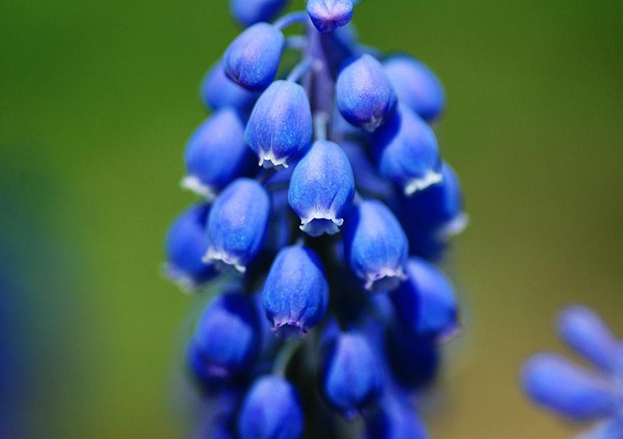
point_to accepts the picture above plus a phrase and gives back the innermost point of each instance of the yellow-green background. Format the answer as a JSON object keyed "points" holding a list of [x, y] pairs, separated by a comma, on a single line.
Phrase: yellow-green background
{"points": [[97, 100]]}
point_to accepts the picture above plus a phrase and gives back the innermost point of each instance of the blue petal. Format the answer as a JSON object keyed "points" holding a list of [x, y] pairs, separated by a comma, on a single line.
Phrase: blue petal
{"points": [[584, 332], [375, 246], [322, 188], [271, 410], [328, 15], [416, 86], [227, 335], [296, 292], [216, 154], [280, 126], [438, 209], [351, 377], [396, 419], [367, 178], [249, 12], [252, 59], [556, 384], [186, 243], [218, 91], [608, 429], [425, 302], [406, 152], [237, 223], [414, 361], [363, 93]]}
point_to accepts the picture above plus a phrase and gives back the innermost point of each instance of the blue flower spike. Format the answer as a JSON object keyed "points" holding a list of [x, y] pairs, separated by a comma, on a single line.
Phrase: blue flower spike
{"points": [[271, 410], [425, 302], [322, 188], [216, 154], [574, 392], [296, 293], [351, 376], [280, 126], [218, 91], [375, 246], [186, 243], [556, 384], [584, 332], [227, 335], [248, 12], [328, 15], [364, 94], [237, 224], [395, 419], [252, 59], [407, 153], [416, 86]]}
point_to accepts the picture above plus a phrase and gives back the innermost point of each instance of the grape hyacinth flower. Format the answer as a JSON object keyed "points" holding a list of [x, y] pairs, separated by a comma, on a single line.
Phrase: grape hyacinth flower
{"points": [[575, 392], [321, 184]]}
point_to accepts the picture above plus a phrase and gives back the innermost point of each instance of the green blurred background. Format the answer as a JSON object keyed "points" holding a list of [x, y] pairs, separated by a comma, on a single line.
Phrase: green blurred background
{"points": [[97, 100]]}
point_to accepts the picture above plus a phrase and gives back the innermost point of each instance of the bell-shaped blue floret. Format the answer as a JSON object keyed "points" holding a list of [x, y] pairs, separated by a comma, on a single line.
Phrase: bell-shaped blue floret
{"points": [[555, 383], [438, 209], [425, 301], [252, 59], [395, 419], [248, 12], [406, 151], [351, 377], [216, 154], [186, 244], [322, 188], [237, 223], [296, 293], [416, 86], [363, 93], [413, 360], [584, 332], [280, 126], [218, 91], [328, 15], [227, 335], [375, 246], [271, 410]]}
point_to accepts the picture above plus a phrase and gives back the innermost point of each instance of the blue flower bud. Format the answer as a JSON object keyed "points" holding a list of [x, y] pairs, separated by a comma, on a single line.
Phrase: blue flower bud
{"points": [[218, 91], [584, 332], [280, 126], [249, 12], [556, 384], [237, 223], [413, 361], [416, 86], [271, 410], [227, 335], [438, 209], [375, 246], [406, 151], [322, 188], [363, 93], [186, 244], [351, 376], [296, 292], [252, 59], [216, 154], [328, 15], [395, 419], [425, 302]]}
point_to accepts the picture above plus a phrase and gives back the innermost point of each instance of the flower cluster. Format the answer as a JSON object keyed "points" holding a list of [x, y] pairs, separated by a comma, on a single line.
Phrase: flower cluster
{"points": [[575, 392], [325, 205]]}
